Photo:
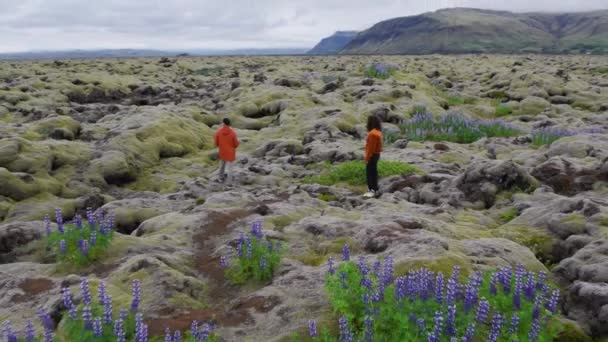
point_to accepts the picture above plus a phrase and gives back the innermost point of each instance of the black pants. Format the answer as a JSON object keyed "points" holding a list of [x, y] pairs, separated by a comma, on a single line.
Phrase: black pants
{"points": [[372, 172]]}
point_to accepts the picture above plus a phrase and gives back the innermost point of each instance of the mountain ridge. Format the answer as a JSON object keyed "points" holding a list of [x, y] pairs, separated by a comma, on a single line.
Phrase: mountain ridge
{"points": [[471, 30]]}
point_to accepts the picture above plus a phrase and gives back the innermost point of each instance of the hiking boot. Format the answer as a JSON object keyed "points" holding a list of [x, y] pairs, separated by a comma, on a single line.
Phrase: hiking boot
{"points": [[369, 194]]}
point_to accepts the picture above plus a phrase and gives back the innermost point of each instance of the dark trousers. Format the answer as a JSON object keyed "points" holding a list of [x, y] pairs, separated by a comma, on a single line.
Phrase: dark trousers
{"points": [[372, 172]]}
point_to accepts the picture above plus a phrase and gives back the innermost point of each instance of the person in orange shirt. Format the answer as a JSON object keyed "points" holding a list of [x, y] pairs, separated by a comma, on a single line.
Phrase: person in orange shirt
{"points": [[227, 143], [373, 148]]}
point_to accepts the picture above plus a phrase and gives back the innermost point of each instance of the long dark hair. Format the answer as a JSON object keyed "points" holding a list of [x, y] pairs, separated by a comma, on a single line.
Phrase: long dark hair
{"points": [[373, 122]]}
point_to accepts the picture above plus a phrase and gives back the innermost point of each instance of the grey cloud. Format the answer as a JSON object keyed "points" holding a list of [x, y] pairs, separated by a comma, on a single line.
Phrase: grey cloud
{"points": [[175, 24]]}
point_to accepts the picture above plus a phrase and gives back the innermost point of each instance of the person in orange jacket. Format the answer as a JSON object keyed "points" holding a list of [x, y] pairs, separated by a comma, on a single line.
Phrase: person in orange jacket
{"points": [[227, 143], [373, 148]]}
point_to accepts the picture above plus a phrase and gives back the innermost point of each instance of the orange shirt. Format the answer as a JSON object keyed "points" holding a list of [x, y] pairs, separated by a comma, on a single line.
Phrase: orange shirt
{"points": [[227, 142], [373, 144]]}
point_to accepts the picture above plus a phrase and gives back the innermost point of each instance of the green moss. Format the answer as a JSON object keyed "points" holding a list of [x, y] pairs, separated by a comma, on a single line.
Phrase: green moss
{"points": [[327, 197], [503, 110], [353, 173], [442, 264], [508, 215], [455, 100], [312, 259], [453, 158], [572, 333], [280, 222], [5, 207], [537, 239]]}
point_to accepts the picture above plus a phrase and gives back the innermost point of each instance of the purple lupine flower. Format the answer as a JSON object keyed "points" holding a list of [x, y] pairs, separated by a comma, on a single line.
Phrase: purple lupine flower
{"points": [[278, 246], [537, 304], [451, 320], [312, 328], [505, 279], [401, 288], [119, 331], [469, 333], [493, 282], [451, 289], [168, 336], [62, 247], [59, 220], [87, 318], [343, 280], [101, 293], [30, 333], [136, 295], [369, 329], [123, 315], [107, 309], [47, 225], [90, 218], [345, 334], [68, 303], [514, 326], [263, 263], [438, 320], [376, 268], [542, 277], [256, 229], [240, 244], [439, 286], [139, 322], [86, 292], [194, 331], [362, 265], [47, 336], [420, 324], [78, 220], [345, 253], [552, 302], [93, 238], [99, 218], [8, 330], [224, 263], [497, 323], [205, 332], [483, 309], [249, 247], [367, 283], [84, 247], [517, 291], [387, 275], [330, 264], [269, 246], [97, 328], [530, 286], [177, 337], [45, 318], [534, 331], [470, 294]]}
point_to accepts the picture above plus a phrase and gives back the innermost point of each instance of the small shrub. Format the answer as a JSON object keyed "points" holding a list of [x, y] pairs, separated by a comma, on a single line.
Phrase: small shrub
{"points": [[508, 215], [79, 243], [353, 172], [507, 305], [455, 100], [454, 127], [379, 70], [503, 110], [257, 257], [547, 135]]}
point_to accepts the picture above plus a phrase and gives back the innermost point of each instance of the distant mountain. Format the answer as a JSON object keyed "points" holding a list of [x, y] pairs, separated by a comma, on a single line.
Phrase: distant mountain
{"points": [[463, 30], [333, 44], [119, 53]]}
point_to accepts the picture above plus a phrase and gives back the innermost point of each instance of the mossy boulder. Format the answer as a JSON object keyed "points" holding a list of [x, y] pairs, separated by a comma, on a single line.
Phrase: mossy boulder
{"points": [[8, 151], [17, 186], [565, 225], [114, 167], [57, 127], [533, 105], [33, 157], [35, 208]]}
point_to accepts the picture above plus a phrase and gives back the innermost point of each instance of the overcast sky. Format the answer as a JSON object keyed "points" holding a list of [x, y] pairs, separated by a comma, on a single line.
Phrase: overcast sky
{"points": [[227, 24]]}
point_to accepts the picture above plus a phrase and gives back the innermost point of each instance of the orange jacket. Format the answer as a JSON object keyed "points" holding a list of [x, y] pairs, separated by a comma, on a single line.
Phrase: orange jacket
{"points": [[227, 142], [373, 144]]}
